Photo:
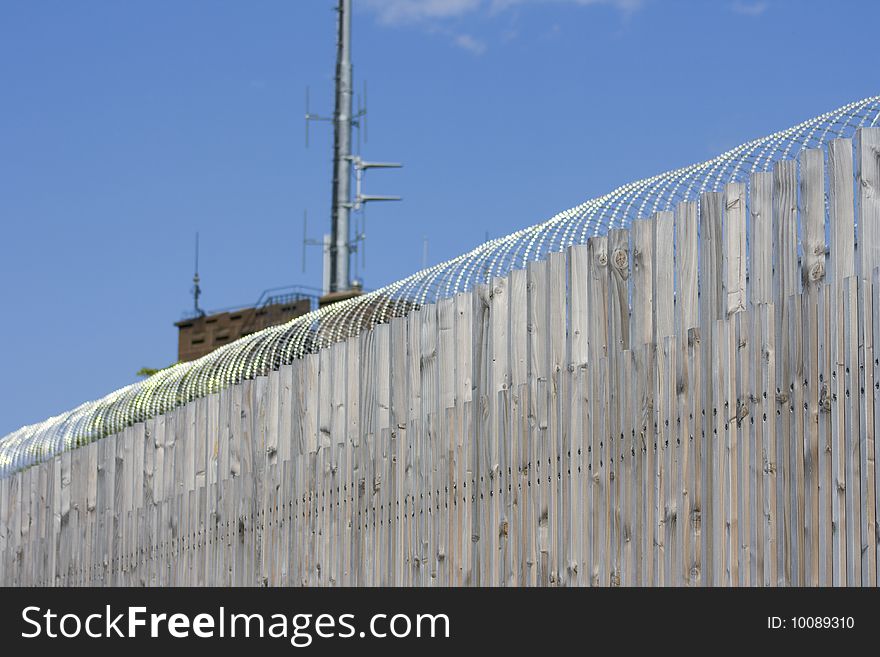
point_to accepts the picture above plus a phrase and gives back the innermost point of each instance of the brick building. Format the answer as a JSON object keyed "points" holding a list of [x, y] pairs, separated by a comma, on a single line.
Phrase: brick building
{"points": [[200, 335]]}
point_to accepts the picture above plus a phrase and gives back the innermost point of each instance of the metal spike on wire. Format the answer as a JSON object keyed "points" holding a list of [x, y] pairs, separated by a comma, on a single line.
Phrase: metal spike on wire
{"points": [[261, 352]]}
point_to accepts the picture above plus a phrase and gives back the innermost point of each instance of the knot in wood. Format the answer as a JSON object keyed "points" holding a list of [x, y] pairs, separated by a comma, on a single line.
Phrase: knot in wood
{"points": [[602, 259], [621, 259]]}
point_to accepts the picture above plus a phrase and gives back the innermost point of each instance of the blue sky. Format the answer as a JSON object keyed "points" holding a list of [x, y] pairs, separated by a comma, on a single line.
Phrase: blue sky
{"points": [[128, 126]]}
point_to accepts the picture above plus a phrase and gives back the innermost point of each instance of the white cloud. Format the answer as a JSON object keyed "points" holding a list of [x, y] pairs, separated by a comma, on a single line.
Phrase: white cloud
{"points": [[437, 15], [469, 43], [626, 6], [395, 12], [749, 8]]}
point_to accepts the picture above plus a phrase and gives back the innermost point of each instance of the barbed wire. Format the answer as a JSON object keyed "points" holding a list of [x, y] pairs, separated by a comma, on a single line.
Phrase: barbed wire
{"points": [[267, 350]]}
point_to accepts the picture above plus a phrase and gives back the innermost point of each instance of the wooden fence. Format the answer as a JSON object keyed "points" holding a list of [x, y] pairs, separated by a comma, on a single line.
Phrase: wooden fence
{"points": [[688, 402]]}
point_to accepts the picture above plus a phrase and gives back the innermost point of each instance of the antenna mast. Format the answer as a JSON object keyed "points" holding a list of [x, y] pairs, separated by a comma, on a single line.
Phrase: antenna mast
{"points": [[340, 248], [197, 290], [339, 245]]}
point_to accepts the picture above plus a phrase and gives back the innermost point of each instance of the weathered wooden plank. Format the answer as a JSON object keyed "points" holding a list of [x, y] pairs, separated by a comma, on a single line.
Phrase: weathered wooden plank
{"points": [[642, 320], [757, 452], [711, 308], [312, 441], [399, 417], [852, 434], [642, 335], [268, 426], [598, 290], [13, 541], [868, 546], [842, 265], [786, 282], [578, 304], [601, 520], [121, 492], [518, 446], [556, 330], [518, 574], [4, 525], [77, 509], [687, 387], [413, 517], [875, 366], [106, 518], [686, 298], [618, 287], [696, 457], [324, 471], [711, 259], [841, 218], [426, 417], [824, 470], [92, 547], [795, 390], [812, 196], [761, 237], [338, 426], [64, 534], [630, 531], [498, 379], [668, 482], [351, 463], [734, 249], [742, 420], [724, 526], [538, 366], [867, 154], [578, 258], [664, 276]]}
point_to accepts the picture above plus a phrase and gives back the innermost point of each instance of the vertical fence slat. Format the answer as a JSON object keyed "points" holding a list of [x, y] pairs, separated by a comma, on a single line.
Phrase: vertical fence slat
{"points": [[734, 249], [785, 285], [813, 275], [867, 152], [641, 334], [761, 237], [710, 213], [852, 436]]}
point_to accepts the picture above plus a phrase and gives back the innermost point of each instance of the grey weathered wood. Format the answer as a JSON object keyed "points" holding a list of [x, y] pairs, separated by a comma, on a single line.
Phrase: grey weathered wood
{"points": [[742, 420], [785, 285], [761, 237], [556, 330], [618, 293], [664, 276], [579, 309], [696, 451], [825, 437], [841, 210], [812, 195], [518, 345], [711, 293], [866, 432], [734, 249], [852, 437], [642, 322], [867, 154], [710, 217], [686, 299], [875, 366]]}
